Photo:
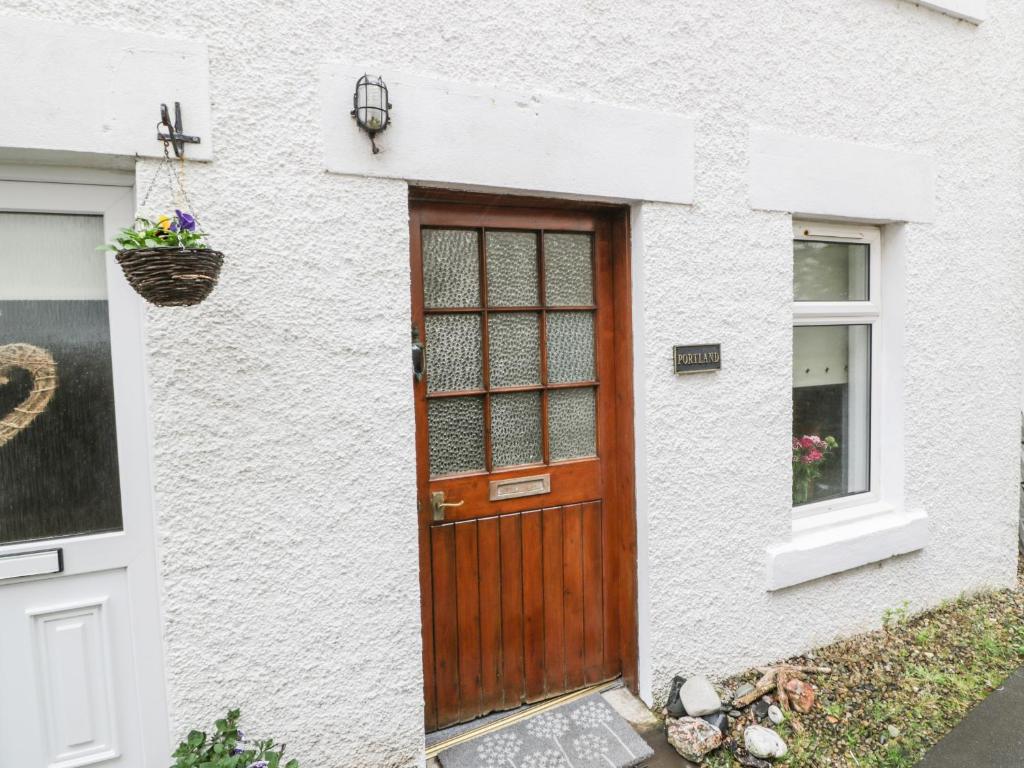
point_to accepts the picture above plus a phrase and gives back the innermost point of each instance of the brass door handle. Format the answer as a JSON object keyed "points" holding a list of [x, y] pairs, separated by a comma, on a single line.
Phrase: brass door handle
{"points": [[438, 503]]}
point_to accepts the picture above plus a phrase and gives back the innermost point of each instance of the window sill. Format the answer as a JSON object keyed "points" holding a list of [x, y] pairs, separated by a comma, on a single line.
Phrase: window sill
{"points": [[838, 541]]}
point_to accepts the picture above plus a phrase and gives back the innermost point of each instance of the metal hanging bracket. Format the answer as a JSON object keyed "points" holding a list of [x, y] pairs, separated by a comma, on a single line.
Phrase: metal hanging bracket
{"points": [[174, 136]]}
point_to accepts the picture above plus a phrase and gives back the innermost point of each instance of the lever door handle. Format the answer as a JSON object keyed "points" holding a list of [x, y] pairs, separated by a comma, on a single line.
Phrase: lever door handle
{"points": [[439, 504]]}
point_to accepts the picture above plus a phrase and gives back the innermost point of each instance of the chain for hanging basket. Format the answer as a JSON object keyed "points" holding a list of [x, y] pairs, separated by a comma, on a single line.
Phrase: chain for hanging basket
{"points": [[172, 275]]}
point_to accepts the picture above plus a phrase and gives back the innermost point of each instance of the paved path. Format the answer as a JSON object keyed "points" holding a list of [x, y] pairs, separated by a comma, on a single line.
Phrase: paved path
{"points": [[991, 736]]}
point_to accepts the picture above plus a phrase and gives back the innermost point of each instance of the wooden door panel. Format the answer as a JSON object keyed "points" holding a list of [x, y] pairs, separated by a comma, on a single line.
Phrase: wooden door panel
{"points": [[522, 595], [533, 604], [593, 591], [554, 605], [572, 585], [467, 611], [535, 632], [489, 554], [510, 544], [445, 624]]}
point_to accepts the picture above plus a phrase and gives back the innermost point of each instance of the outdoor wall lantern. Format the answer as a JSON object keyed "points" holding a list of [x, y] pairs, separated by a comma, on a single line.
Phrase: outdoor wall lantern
{"points": [[370, 107]]}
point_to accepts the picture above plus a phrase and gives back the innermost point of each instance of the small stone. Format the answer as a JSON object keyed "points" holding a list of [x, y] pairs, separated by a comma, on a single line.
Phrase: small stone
{"points": [[743, 690], [693, 738], [761, 708], [718, 719], [699, 697], [832, 719], [763, 742], [801, 695], [894, 732], [775, 715], [735, 713], [674, 706]]}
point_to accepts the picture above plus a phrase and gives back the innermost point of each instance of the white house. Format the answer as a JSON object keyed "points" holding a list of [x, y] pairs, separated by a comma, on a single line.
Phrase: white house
{"points": [[254, 502]]}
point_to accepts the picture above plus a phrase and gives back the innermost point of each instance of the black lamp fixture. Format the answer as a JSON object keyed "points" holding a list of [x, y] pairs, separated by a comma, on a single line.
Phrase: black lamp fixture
{"points": [[370, 107]]}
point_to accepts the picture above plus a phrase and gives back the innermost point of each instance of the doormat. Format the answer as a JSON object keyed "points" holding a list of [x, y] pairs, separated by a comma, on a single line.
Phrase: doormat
{"points": [[586, 733]]}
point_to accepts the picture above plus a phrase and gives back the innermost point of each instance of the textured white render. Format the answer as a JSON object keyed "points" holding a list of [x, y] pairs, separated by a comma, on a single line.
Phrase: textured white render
{"points": [[811, 176], [969, 10], [453, 132], [282, 411], [94, 104]]}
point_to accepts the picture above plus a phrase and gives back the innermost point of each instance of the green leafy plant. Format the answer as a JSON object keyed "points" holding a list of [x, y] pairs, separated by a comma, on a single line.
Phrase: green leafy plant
{"points": [[178, 231], [227, 748]]}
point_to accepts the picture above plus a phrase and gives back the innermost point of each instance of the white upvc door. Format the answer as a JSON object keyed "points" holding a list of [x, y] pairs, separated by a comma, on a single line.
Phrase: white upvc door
{"points": [[81, 664]]}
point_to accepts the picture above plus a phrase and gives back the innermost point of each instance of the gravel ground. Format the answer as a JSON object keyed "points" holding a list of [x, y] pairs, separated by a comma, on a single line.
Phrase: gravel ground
{"points": [[893, 693]]}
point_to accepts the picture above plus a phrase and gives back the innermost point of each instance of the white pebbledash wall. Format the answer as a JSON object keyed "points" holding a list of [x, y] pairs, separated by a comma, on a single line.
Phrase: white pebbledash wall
{"points": [[282, 413]]}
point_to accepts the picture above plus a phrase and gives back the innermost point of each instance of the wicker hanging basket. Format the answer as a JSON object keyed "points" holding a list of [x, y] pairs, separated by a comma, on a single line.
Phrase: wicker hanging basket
{"points": [[169, 276]]}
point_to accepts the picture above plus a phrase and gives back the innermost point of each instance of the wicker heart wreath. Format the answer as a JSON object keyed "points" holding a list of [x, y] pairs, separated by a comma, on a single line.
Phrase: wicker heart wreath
{"points": [[41, 367]]}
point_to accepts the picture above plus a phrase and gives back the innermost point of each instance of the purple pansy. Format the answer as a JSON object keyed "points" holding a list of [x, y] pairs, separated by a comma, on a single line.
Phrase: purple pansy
{"points": [[185, 221]]}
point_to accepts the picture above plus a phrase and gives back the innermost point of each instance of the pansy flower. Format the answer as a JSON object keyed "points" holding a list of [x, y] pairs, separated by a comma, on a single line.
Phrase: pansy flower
{"points": [[184, 221]]}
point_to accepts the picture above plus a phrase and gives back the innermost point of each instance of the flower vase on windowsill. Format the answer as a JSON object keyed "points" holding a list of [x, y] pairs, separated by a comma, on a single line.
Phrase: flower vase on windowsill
{"points": [[167, 261], [810, 453]]}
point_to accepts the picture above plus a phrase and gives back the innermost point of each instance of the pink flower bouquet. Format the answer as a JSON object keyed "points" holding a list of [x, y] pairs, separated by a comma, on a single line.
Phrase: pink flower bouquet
{"points": [[810, 452]]}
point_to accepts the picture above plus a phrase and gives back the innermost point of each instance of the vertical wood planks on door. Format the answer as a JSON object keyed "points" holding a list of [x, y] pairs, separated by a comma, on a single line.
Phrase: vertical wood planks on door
{"points": [[446, 634], [554, 604], [533, 605], [513, 680], [521, 598], [572, 582], [468, 612], [593, 592], [488, 544]]}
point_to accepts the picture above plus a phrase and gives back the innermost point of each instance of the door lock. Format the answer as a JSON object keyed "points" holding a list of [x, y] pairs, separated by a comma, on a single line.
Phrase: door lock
{"points": [[438, 503]]}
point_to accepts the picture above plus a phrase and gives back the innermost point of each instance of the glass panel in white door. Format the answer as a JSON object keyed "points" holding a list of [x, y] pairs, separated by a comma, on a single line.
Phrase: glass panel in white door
{"points": [[58, 437]]}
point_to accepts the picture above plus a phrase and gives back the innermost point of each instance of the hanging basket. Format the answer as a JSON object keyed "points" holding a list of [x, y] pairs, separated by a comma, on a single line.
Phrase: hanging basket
{"points": [[169, 276]]}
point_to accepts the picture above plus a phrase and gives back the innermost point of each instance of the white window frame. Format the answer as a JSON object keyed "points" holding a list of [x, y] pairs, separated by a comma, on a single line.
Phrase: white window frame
{"points": [[809, 313]]}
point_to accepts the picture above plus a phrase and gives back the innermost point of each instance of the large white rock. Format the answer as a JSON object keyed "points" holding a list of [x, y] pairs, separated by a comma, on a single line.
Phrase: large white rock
{"points": [[763, 742], [699, 697]]}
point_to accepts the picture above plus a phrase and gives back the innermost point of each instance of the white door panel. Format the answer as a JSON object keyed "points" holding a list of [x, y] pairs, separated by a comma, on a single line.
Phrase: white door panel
{"points": [[66, 647], [81, 668]]}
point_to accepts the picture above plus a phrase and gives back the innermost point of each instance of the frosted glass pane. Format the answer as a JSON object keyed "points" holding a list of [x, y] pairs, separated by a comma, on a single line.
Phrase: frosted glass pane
{"points": [[456, 435], [451, 268], [514, 347], [570, 347], [516, 429], [568, 270], [51, 256], [572, 423], [58, 443], [512, 269], [830, 271], [454, 353]]}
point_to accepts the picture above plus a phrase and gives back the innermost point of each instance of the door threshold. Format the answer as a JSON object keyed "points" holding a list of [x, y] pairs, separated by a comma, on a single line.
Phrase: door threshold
{"points": [[498, 720]]}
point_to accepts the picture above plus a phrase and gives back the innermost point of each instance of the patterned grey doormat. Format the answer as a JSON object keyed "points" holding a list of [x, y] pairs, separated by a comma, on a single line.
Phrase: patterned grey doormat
{"points": [[581, 734]]}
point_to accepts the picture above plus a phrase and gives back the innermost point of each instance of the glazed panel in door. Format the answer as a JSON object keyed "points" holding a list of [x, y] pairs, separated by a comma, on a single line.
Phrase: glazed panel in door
{"points": [[517, 455]]}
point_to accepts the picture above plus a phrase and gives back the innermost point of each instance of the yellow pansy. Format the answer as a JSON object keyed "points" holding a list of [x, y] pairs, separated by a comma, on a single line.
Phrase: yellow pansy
{"points": [[164, 223]]}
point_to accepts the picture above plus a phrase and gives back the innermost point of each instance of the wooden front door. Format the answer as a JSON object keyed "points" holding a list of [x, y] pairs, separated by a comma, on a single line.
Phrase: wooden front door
{"points": [[524, 453]]}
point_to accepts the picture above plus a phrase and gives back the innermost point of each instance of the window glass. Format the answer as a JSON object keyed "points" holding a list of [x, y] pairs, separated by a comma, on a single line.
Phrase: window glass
{"points": [[58, 440], [830, 271], [831, 411]]}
